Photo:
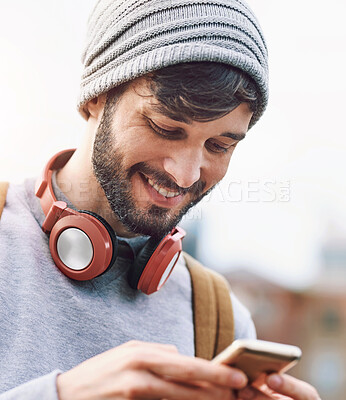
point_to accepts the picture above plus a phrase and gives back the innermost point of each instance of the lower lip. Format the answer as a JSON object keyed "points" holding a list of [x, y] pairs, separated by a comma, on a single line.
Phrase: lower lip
{"points": [[160, 200]]}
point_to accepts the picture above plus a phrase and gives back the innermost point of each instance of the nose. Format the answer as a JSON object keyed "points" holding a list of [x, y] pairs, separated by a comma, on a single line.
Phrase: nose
{"points": [[184, 166]]}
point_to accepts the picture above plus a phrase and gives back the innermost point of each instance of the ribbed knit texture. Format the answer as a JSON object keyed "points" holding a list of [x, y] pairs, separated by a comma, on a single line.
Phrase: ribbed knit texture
{"points": [[129, 38]]}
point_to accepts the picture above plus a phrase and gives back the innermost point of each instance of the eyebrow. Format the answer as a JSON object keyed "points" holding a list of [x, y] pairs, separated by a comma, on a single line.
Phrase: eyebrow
{"points": [[235, 136]]}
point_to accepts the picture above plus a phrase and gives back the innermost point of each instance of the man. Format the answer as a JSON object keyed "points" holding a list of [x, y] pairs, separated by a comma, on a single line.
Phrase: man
{"points": [[169, 89]]}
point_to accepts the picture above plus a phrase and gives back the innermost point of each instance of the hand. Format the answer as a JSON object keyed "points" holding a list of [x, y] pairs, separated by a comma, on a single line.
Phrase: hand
{"points": [[279, 387], [138, 370]]}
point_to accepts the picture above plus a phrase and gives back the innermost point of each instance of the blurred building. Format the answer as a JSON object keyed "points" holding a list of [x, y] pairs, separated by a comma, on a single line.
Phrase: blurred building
{"points": [[314, 320]]}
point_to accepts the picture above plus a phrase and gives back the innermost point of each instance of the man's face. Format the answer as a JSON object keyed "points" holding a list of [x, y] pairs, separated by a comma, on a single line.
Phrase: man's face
{"points": [[153, 168]]}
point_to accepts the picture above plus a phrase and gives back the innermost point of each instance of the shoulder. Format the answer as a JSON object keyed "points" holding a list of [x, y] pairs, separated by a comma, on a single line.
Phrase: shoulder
{"points": [[3, 195], [244, 326], [18, 220], [14, 201]]}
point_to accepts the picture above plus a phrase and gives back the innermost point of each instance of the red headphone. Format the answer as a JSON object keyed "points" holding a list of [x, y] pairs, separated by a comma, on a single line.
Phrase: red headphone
{"points": [[83, 245]]}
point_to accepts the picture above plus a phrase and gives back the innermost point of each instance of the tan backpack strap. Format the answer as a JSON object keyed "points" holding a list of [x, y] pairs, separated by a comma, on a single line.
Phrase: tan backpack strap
{"points": [[225, 312], [212, 310], [3, 193], [204, 309]]}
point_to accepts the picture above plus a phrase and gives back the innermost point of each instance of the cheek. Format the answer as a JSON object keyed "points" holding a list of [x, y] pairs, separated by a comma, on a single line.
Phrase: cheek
{"points": [[215, 173], [135, 147], [145, 147]]}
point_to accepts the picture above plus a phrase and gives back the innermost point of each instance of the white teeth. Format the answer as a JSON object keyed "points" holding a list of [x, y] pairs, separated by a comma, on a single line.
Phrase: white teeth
{"points": [[162, 191]]}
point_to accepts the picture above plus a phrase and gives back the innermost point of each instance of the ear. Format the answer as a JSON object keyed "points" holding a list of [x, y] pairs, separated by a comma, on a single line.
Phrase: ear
{"points": [[95, 106]]}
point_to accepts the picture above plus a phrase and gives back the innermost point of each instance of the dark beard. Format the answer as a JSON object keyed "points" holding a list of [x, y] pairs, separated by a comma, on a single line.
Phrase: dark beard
{"points": [[115, 181]]}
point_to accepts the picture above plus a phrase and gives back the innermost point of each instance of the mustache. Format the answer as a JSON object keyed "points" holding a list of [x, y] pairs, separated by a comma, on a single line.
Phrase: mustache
{"points": [[163, 179]]}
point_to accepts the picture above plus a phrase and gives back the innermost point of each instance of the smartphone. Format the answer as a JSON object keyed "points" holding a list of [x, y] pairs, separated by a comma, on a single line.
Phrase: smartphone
{"points": [[256, 357]]}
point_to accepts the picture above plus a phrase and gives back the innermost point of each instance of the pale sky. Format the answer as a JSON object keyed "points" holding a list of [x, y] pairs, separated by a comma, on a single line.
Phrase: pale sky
{"points": [[299, 146]]}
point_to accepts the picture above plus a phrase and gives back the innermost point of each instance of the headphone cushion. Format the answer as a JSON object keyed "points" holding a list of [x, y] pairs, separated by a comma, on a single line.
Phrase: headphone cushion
{"points": [[141, 260]]}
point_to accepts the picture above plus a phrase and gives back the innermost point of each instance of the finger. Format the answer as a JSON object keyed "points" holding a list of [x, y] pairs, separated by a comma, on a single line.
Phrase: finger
{"points": [[251, 393], [181, 368], [188, 369], [152, 357], [148, 386], [292, 387]]}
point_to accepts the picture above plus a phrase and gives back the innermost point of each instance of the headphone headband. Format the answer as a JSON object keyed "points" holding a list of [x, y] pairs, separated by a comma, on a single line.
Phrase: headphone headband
{"points": [[44, 188]]}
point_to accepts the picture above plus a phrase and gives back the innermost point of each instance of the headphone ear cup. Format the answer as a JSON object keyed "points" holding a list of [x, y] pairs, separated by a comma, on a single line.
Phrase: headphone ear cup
{"points": [[111, 233], [140, 262], [83, 245]]}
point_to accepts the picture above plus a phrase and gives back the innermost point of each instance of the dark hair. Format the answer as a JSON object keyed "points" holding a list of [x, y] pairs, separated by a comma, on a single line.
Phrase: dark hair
{"points": [[199, 91]]}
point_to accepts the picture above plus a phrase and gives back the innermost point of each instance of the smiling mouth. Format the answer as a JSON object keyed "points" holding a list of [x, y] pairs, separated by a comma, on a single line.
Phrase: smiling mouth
{"points": [[168, 194], [163, 192]]}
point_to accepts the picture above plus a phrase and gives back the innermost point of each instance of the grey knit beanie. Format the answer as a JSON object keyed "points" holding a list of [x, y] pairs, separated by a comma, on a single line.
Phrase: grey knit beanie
{"points": [[129, 38]]}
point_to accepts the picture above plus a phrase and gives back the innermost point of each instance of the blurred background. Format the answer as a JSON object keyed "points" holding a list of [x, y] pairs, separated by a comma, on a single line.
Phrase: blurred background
{"points": [[275, 225]]}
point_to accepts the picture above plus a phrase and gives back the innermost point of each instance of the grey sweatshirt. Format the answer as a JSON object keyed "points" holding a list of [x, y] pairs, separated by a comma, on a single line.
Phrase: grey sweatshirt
{"points": [[50, 323]]}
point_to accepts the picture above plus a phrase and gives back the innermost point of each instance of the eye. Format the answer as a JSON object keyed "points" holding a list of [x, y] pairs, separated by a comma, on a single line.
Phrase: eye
{"points": [[216, 146], [172, 135]]}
